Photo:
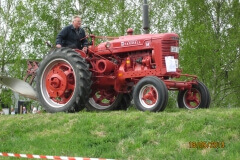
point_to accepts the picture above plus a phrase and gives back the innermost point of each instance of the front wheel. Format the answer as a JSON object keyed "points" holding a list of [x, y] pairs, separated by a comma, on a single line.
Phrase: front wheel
{"points": [[197, 97], [63, 81], [150, 94]]}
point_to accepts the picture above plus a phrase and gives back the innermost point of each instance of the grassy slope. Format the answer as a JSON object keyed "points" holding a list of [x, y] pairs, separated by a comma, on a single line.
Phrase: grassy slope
{"points": [[124, 134]]}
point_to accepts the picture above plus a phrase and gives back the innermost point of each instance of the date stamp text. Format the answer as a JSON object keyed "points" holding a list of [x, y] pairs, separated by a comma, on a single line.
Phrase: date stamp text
{"points": [[204, 144]]}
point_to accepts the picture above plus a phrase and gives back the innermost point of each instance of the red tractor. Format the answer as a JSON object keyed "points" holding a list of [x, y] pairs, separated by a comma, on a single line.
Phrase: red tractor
{"points": [[111, 74]]}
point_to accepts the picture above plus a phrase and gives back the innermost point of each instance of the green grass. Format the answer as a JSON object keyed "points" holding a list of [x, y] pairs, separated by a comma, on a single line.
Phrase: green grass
{"points": [[124, 134]]}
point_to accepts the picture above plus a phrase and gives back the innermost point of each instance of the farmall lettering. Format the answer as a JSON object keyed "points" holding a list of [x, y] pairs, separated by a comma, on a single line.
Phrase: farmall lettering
{"points": [[130, 43]]}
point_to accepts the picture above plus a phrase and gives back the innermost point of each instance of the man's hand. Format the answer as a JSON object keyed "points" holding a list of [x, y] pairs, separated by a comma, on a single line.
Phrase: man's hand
{"points": [[58, 46], [84, 49]]}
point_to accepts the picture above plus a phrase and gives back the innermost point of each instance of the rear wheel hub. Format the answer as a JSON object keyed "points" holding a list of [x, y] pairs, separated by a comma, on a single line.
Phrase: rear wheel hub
{"points": [[60, 82]]}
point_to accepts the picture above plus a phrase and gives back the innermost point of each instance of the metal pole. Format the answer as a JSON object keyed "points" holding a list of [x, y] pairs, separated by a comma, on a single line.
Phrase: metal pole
{"points": [[145, 18]]}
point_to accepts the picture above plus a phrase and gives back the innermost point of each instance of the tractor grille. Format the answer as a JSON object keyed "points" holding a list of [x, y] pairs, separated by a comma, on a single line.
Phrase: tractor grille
{"points": [[166, 49]]}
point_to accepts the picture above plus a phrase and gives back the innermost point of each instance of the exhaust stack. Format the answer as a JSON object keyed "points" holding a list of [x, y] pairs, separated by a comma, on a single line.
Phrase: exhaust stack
{"points": [[145, 18]]}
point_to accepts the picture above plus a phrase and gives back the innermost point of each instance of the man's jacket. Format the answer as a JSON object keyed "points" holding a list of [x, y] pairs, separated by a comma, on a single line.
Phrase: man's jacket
{"points": [[69, 37]]}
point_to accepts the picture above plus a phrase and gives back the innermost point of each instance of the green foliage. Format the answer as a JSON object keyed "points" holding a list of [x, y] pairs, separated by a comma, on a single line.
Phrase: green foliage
{"points": [[172, 100], [6, 98], [209, 47], [124, 135]]}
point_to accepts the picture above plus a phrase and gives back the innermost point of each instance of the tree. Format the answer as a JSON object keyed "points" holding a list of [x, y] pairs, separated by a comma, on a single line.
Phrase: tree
{"points": [[210, 47]]}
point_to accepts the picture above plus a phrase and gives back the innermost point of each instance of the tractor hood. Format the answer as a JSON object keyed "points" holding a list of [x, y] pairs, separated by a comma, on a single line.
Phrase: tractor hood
{"points": [[133, 43]]}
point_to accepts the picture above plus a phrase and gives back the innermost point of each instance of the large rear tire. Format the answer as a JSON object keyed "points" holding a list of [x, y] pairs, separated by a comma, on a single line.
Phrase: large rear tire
{"points": [[63, 81], [150, 94], [197, 97]]}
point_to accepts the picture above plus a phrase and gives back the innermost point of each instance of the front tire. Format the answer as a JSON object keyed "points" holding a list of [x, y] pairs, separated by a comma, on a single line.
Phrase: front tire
{"points": [[63, 81], [150, 94], [197, 97]]}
